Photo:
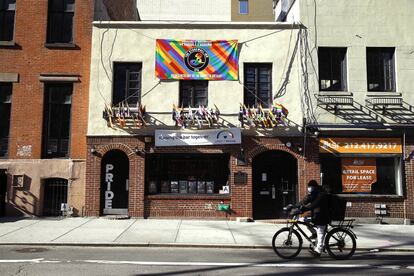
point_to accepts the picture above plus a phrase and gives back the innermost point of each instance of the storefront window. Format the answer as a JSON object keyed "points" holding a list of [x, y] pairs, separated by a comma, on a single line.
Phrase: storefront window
{"points": [[361, 175], [186, 173]]}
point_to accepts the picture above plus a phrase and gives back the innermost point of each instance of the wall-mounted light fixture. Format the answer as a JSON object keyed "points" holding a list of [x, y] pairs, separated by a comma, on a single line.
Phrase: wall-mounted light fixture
{"points": [[139, 151], [288, 144], [241, 160], [93, 150], [143, 152]]}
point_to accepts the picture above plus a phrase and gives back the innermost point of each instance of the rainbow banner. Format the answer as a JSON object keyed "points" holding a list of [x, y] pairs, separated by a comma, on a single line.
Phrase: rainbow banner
{"points": [[196, 59]]}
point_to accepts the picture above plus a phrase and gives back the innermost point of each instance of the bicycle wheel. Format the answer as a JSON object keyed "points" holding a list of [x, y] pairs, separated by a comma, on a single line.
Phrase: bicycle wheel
{"points": [[287, 243], [340, 243]]}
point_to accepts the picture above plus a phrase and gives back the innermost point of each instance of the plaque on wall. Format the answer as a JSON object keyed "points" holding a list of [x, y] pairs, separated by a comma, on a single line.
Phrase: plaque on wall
{"points": [[165, 186], [240, 178], [152, 187], [183, 186], [192, 187], [201, 187], [210, 187], [174, 187]]}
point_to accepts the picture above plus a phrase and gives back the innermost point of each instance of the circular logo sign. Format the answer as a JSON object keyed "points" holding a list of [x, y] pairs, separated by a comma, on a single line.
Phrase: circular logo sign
{"points": [[196, 59]]}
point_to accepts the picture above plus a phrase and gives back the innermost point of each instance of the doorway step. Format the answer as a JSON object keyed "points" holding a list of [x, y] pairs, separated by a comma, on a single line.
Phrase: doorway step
{"points": [[116, 217]]}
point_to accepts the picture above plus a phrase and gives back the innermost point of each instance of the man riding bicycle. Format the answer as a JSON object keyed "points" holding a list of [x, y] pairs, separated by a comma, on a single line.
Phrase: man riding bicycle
{"points": [[317, 202]]}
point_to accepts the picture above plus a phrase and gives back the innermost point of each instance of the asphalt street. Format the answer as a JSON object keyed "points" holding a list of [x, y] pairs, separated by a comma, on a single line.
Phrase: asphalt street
{"points": [[38, 260]]}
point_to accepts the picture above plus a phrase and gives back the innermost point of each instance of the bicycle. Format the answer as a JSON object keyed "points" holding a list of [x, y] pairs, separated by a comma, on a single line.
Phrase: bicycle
{"points": [[340, 240]]}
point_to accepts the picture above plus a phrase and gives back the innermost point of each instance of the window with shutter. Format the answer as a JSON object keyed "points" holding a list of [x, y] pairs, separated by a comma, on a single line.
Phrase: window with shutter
{"points": [[127, 83], [193, 93], [258, 84]]}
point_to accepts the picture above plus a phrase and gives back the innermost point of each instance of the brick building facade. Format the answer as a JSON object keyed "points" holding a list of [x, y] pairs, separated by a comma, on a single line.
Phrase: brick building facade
{"points": [[45, 52], [270, 166]]}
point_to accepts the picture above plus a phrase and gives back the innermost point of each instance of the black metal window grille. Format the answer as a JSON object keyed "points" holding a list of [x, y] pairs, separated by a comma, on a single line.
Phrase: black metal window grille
{"points": [[58, 103], [127, 83], [258, 84], [60, 21], [55, 193], [381, 69], [7, 13], [5, 109], [193, 93], [332, 69]]}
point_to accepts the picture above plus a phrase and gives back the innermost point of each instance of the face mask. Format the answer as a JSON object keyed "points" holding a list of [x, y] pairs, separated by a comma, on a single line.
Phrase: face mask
{"points": [[311, 189]]}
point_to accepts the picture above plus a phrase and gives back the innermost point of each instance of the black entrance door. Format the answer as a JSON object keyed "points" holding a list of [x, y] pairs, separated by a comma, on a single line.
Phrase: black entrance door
{"points": [[3, 189], [55, 193], [274, 184], [114, 183]]}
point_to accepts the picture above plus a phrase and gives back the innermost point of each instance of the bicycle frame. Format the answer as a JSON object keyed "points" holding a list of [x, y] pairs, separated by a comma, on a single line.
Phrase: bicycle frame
{"points": [[294, 223]]}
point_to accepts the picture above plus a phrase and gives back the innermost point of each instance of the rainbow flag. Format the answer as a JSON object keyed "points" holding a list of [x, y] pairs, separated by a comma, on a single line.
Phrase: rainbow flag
{"points": [[196, 59]]}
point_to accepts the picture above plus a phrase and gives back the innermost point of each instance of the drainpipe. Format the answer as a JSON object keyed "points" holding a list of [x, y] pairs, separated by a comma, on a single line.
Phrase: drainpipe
{"points": [[406, 220]]}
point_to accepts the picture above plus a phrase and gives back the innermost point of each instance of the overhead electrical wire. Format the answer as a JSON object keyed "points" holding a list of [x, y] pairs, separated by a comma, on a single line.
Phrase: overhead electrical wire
{"points": [[301, 40]]}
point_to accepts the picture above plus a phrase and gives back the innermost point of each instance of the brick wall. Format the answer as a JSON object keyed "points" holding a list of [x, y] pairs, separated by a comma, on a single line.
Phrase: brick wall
{"points": [[240, 200], [408, 176], [136, 173], [29, 58], [241, 197], [189, 207], [397, 207]]}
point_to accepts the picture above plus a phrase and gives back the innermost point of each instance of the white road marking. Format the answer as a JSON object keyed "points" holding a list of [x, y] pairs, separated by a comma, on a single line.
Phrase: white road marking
{"points": [[22, 261], [284, 265], [281, 265], [394, 267], [34, 261]]}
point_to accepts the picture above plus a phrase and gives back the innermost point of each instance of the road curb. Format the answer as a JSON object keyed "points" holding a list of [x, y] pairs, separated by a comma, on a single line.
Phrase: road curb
{"points": [[183, 245]]}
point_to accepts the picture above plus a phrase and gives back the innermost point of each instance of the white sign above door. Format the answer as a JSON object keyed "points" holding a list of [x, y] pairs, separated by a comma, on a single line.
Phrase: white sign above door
{"points": [[167, 138]]}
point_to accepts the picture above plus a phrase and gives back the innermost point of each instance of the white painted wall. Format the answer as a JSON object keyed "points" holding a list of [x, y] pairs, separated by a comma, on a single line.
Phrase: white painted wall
{"points": [[272, 43], [357, 24], [184, 10]]}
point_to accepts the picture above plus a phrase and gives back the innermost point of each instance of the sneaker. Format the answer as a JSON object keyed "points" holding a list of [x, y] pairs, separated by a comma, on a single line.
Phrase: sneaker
{"points": [[314, 252]]}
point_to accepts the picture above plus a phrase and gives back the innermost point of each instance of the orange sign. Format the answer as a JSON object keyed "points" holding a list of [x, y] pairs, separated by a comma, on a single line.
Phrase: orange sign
{"points": [[360, 145], [358, 174]]}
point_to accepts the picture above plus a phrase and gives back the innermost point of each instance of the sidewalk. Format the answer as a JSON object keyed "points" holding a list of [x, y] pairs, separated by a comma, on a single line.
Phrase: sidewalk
{"points": [[163, 232]]}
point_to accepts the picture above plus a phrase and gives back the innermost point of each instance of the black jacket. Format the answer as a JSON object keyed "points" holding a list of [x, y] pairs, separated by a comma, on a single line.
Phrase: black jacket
{"points": [[318, 204]]}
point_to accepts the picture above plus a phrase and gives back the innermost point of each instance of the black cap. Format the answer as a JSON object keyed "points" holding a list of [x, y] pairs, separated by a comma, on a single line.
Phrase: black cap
{"points": [[313, 183]]}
